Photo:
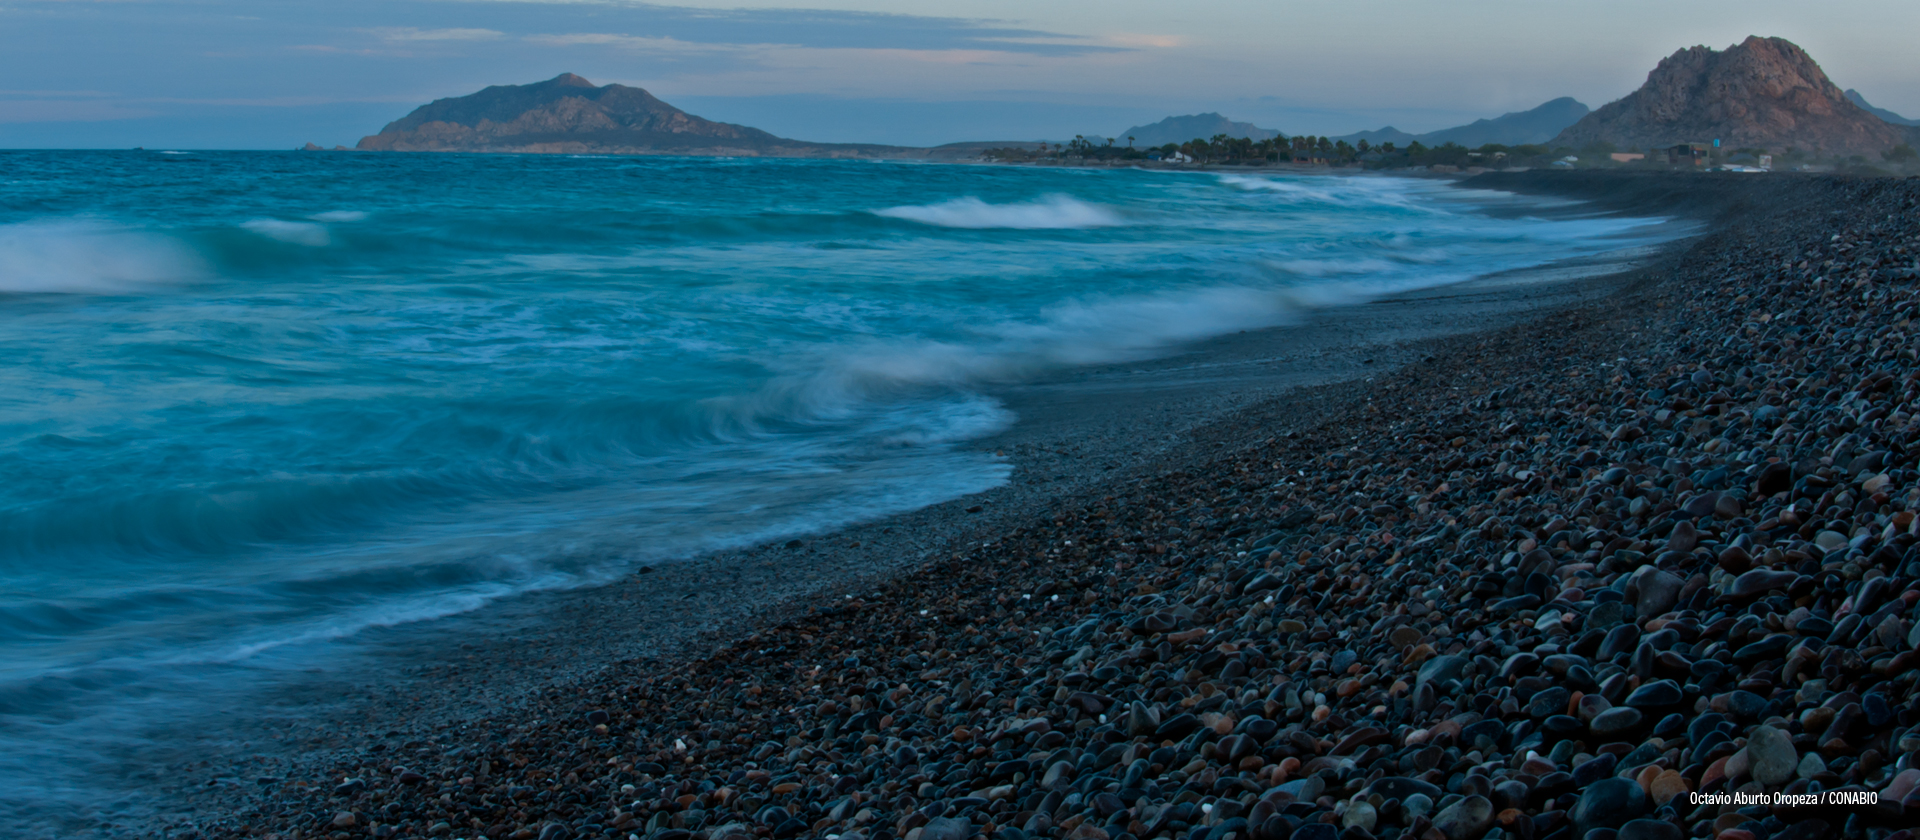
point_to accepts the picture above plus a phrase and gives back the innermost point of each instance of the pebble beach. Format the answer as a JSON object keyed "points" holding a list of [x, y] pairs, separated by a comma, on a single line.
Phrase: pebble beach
{"points": [[1638, 566]]}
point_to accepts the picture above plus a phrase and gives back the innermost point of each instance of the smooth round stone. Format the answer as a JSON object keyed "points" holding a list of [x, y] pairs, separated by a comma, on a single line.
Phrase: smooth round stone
{"points": [[1549, 701], [1659, 591], [1316, 831], [1594, 770], [1878, 711], [1590, 707], [1645, 829], [1467, 819], [1658, 694], [1562, 726], [1745, 705], [1440, 669], [1360, 815], [1771, 647], [1609, 614], [1608, 803], [1615, 723], [1811, 765], [1403, 788], [947, 828], [1761, 581], [1667, 785], [1771, 756], [1416, 805]]}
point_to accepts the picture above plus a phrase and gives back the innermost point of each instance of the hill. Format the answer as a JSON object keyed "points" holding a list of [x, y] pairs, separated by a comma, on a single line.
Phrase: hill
{"points": [[1513, 129], [1536, 125], [1182, 129], [570, 115], [1761, 93], [1884, 114]]}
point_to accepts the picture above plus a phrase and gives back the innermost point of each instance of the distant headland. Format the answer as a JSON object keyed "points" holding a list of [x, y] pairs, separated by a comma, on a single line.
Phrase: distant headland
{"points": [[1763, 103]]}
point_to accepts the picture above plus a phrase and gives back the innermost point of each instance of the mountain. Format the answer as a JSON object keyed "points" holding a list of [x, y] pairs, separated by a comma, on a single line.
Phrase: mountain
{"points": [[570, 115], [1513, 129], [1884, 114], [1388, 134], [1182, 129], [1761, 93]]}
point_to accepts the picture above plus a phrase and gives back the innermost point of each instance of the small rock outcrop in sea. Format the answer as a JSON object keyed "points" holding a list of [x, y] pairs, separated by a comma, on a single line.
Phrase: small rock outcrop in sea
{"points": [[1550, 583], [570, 115], [1761, 93]]}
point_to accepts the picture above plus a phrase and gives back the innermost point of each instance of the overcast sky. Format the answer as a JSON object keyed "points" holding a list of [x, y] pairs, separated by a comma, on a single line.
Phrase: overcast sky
{"points": [[277, 73]]}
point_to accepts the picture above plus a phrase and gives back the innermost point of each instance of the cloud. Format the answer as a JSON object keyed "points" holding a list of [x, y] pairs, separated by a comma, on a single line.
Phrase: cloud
{"points": [[53, 110], [632, 42], [53, 94], [796, 27], [409, 33], [1146, 40]]}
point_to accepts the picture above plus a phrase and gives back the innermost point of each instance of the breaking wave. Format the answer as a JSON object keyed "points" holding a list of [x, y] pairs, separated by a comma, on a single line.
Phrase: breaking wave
{"points": [[293, 233], [1055, 212], [88, 257]]}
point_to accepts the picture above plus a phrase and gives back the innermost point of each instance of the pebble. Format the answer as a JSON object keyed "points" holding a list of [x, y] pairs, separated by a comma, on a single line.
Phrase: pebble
{"points": [[1614, 724], [1608, 803], [1360, 815], [1656, 696], [1771, 755], [1467, 819], [1645, 829], [1666, 785]]}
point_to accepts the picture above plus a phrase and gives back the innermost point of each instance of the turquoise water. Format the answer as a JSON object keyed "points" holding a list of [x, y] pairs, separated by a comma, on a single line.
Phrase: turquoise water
{"points": [[255, 400]]}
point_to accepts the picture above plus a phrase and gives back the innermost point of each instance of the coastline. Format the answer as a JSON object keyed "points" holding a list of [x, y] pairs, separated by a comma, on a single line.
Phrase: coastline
{"points": [[1170, 423]]}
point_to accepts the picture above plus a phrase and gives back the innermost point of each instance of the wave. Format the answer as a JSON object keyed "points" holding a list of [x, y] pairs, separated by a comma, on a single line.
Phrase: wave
{"points": [[293, 233], [90, 257], [1342, 191], [1054, 212], [843, 379], [340, 216]]}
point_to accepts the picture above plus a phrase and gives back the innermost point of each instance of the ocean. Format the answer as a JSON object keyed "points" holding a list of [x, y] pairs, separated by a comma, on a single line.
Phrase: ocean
{"points": [[253, 404]]}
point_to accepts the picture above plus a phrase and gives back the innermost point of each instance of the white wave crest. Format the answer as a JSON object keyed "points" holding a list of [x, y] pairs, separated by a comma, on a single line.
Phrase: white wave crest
{"points": [[340, 216], [844, 379], [295, 233], [88, 257], [1054, 212], [1342, 191]]}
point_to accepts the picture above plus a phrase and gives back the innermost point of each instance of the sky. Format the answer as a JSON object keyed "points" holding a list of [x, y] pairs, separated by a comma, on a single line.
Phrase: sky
{"points": [[279, 73]]}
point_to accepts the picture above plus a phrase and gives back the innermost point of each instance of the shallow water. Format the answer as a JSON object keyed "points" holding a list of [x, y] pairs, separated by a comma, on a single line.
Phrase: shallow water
{"points": [[254, 403]]}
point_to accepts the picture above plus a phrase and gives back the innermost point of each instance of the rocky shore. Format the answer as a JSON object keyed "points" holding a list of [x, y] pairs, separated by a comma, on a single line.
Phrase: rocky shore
{"points": [[1638, 569]]}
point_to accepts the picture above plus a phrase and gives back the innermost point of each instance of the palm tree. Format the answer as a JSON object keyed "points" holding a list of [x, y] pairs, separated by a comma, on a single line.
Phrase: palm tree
{"points": [[1129, 141]]}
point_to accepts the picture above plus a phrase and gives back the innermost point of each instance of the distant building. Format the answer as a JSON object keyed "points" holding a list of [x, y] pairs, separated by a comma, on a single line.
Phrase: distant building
{"points": [[1627, 157], [1690, 154]]}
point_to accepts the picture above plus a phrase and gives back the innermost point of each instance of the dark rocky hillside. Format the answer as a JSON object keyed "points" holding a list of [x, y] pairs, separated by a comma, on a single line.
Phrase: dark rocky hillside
{"points": [[570, 115], [1761, 93]]}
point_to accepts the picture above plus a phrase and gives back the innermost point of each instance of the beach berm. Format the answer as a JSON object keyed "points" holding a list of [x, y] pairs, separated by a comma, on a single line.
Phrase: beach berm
{"points": [[1554, 581]]}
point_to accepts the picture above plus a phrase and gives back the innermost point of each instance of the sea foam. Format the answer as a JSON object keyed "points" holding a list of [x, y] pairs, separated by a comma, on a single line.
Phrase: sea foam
{"points": [[89, 257], [1054, 212], [295, 233]]}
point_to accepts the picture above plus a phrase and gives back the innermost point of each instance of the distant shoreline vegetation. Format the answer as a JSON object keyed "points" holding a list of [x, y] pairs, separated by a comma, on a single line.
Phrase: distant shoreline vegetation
{"points": [[1309, 150]]}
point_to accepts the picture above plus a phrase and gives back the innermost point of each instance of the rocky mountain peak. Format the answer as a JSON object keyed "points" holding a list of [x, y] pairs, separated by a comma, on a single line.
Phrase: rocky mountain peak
{"points": [[1761, 93]]}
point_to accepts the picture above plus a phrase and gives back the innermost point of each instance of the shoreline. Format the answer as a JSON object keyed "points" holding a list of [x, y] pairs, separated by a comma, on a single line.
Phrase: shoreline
{"points": [[932, 533]]}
